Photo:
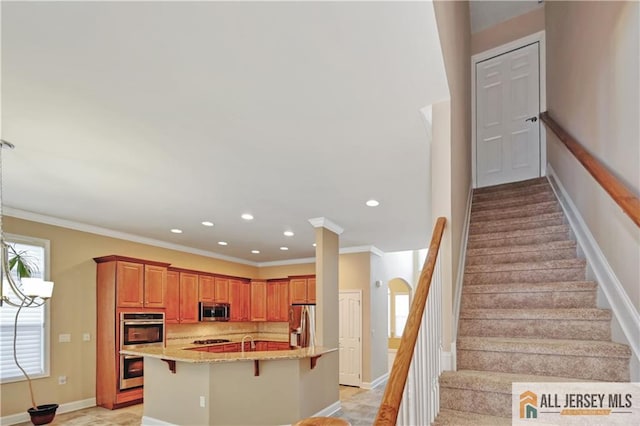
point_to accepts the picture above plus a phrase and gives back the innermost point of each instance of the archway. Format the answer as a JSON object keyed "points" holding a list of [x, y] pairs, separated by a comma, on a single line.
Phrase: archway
{"points": [[399, 302]]}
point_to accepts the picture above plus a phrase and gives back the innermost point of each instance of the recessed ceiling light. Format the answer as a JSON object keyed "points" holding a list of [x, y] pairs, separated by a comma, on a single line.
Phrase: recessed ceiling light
{"points": [[176, 231], [223, 243], [255, 251], [207, 223], [314, 244], [284, 248], [373, 203], [247, 216], [288, 233]]}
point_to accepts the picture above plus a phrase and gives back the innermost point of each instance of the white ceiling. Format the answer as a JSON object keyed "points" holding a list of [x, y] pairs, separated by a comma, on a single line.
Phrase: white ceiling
{"points": [[139, 117], [485, 14]]}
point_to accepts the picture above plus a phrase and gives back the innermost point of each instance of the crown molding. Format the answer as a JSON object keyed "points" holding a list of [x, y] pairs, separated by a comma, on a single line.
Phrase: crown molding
{"points": [[323, 222], [362, 249], [288, 262], [92, 229]]}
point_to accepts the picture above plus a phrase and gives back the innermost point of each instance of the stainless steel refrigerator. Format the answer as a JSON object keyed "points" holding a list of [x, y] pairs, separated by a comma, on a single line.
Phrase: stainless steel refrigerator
{"points": [[302, 325]]}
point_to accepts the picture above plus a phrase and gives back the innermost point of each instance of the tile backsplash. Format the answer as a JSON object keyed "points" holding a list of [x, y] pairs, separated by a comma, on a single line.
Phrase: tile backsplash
{"points": [[178, 334]]}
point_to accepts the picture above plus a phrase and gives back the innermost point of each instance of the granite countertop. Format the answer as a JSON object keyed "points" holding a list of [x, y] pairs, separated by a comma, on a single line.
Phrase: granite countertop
{"points": [[183, 354], [188, 344]]}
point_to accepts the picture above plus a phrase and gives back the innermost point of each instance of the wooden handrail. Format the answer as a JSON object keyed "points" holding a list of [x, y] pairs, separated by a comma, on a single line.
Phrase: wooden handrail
{"points": [[388, 412], [622, 195]]}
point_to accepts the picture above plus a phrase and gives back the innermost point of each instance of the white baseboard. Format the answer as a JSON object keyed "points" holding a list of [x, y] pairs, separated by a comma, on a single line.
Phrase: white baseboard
{"points": [[63, 408], [621, 306], [377, 382], [329, 410], [457, 300], [446, 361], [150, 421]]}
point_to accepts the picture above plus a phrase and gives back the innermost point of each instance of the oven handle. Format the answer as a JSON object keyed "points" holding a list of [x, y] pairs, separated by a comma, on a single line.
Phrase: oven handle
{"points": [[131, 356], [143, 323]]}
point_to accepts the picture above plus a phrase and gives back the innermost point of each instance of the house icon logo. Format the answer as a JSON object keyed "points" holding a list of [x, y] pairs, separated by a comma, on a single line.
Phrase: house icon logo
{"points": [[528, 405]]}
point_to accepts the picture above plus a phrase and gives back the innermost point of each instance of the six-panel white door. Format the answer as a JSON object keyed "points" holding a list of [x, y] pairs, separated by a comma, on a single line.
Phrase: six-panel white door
{"points": [[507, 134], [350, 330]]}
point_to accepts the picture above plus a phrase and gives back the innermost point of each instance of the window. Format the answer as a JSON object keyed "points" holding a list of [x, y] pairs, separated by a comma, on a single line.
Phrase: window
{"points": [[33, 323]]}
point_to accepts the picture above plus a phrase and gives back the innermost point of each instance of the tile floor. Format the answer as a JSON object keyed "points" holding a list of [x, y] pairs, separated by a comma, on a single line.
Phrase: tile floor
{"points": [[359, 407]]}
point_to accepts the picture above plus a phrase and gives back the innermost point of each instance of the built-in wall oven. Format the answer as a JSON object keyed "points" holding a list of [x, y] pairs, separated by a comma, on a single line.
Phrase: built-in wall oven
{"points": [[138, 329]]}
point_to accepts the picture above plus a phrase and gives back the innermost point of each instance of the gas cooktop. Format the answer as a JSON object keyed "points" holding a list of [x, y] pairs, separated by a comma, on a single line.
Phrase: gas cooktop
{"points": [[209, 341]]}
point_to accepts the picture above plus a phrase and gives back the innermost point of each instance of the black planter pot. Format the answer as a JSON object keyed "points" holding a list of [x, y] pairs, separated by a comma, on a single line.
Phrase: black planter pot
{"points": [[43, 414]]}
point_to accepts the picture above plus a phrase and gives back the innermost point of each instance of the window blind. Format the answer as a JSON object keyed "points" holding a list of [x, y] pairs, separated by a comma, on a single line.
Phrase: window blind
{"points": [[30, 343]]}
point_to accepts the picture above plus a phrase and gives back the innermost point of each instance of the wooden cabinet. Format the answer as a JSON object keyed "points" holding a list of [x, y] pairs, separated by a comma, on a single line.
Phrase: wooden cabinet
{"points": [[140, 285], [278, 300], [188, 297], [302, 289], [206, 285], [239, 299], [221, 293], [172, 311], [182, 297], [258, 300], [155, 286], [123, 284]]}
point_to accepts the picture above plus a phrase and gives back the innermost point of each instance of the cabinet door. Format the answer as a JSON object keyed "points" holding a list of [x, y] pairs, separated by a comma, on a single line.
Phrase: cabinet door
{"points": [[311, 290], [188, 297], [206, 285], [216, 348], [258, 300], [221, 292], [245, 298], [172, 302], [130, 284], [272, 301], [155, 286], [236, 300], [298, 290]]}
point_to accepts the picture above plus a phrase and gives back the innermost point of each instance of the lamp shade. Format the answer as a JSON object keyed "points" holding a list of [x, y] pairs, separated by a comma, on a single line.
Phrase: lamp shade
{"points": [[37, 287]]}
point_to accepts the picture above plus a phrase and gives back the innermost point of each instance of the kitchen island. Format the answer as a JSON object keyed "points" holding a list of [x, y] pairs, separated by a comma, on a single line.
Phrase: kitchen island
{"points": [[192, 387]]}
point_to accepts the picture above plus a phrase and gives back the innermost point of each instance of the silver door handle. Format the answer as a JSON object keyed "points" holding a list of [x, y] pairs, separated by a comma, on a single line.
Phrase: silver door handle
{"points": [[532, 119]]}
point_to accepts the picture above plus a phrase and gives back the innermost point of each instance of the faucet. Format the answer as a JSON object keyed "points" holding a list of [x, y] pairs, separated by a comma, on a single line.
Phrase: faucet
{"points": [[253, 344]]}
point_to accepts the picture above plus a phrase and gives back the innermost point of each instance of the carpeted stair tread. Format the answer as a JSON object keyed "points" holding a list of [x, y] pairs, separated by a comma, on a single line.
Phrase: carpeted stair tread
{"points": [[501, 225], [541, 187], [521, 237], [523, 256], [553, 229], [462, 418], [586, 348], [524, 248], [526, 266], [538, 314], [512, 185], [566, 286], [520, 200], [493, 381], [517, 211]]}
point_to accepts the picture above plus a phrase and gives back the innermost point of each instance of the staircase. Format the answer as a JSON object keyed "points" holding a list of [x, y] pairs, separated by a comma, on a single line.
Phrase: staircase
{"points": [[527, 312]]}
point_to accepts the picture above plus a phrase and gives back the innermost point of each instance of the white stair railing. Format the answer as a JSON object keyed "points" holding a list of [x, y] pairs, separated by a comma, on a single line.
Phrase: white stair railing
{"points": [[421, 397]]}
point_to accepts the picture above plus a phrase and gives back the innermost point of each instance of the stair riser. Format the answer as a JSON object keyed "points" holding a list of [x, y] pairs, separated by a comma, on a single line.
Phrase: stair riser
{"points": [[519, 241], [534, 300], [523, 185], [481, 402], [501, 195], [512, 201], [497, 226], [513, 213], [527, 256], [578, 367], [536, 329], [532, 276]]}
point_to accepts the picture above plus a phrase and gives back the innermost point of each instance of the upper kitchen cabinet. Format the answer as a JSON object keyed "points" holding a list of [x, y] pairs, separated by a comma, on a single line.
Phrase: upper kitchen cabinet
{"points": [[302, 289], [277, 300], [258, 300], [221, 290], [239, 299], [182, 297], [136, 283], [206, 284]]}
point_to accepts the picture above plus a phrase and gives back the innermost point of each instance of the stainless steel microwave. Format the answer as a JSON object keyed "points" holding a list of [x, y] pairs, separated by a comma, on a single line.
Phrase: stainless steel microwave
{"points": [[214, 311]]}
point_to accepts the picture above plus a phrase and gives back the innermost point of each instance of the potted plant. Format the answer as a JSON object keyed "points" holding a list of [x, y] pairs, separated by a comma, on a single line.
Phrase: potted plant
{"points": [[22, 264]]}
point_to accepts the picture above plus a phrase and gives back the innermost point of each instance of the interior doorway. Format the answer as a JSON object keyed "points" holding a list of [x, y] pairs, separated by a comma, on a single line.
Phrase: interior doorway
{"points": [[508, 94], [350, 337]]}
